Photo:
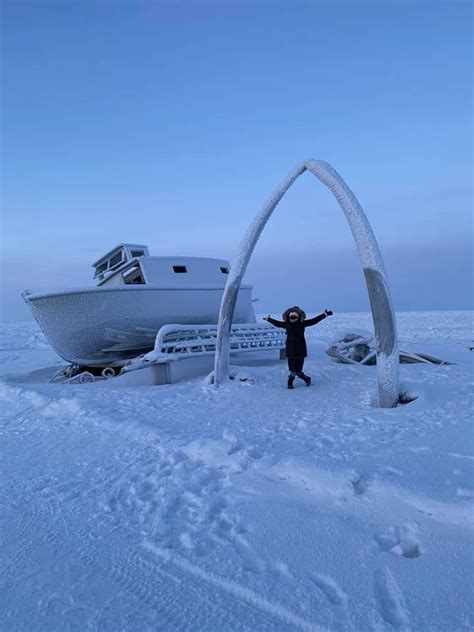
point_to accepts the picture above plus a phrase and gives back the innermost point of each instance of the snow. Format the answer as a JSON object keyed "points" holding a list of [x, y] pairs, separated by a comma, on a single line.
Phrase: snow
{"points": [[370, 258], [248, 507]]}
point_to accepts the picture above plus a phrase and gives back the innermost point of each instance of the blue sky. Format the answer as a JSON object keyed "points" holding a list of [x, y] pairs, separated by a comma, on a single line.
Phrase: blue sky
{"points": [[170, 123]]}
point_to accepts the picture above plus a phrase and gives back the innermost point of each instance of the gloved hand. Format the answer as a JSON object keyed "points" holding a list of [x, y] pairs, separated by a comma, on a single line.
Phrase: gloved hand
{"points": [[266, 317], [328, 312]]}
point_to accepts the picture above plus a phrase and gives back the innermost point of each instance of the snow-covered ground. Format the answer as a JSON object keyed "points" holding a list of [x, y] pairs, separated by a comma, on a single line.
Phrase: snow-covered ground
{"points": [[248, 507]]}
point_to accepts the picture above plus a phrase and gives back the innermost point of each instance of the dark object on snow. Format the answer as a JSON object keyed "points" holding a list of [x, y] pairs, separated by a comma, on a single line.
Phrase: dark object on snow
{"points": [[295, 322], [359, 348], [295, 367], [291, 378], [407, 398]]}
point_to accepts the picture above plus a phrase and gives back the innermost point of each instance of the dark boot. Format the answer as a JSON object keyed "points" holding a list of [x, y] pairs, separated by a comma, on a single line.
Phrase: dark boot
{"points": [[306, 379], [291, 379]]}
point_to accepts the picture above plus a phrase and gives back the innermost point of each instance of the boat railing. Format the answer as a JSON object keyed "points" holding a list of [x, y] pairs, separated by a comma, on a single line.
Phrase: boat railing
{"points": [[174, 342], [191, 339]]}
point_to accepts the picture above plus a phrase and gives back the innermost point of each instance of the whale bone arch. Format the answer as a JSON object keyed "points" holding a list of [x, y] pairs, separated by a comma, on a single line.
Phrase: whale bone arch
{"points": [[371, 260]]}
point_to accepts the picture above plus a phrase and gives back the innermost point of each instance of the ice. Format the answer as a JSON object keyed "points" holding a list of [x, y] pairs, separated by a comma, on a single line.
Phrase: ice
{"points": [[243, 508]]}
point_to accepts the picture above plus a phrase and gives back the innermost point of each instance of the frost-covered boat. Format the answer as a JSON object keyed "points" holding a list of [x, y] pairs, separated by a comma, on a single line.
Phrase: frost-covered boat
{"points": [[136, 294]]}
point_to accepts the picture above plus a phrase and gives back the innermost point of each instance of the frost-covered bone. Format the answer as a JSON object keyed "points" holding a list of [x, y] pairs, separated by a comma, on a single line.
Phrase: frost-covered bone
{"points": [[371, 260], [359, 348], [352, 348]]}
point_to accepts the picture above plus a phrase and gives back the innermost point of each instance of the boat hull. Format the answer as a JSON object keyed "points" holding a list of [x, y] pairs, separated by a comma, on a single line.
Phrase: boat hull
{"points": [[107, 326]]}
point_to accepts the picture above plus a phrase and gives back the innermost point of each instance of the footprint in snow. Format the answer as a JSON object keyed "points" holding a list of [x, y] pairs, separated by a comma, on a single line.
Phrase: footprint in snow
{"points": [[360, 483], [400, 540], [389, 599], [332, 591], [336, 597]]}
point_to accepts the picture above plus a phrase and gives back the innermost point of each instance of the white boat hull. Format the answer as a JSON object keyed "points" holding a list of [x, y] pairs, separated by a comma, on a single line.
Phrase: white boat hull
{"points": [[105, 326]]}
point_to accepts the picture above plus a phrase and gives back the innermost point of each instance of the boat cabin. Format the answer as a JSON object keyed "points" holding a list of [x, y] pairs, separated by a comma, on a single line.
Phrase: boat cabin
{"points": [[131, 264], [109, 264]]}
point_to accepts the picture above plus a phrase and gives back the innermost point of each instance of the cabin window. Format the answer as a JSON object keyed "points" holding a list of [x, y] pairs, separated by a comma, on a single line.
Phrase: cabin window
{"points": [[180, 269], [137, 253], [101, 268], [224, 270], [115, 259], [133, 276]]}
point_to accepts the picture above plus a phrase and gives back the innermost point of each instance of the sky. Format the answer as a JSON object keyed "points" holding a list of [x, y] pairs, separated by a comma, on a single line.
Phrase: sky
{"points": [[170, 124]]}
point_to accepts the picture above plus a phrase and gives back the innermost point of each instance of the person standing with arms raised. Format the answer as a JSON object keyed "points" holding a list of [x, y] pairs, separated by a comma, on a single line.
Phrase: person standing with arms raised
{"points": [[295, 322]]}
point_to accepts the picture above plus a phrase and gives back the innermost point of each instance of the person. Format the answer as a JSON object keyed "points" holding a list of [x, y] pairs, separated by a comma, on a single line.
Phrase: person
{"points": [[295, 323]]}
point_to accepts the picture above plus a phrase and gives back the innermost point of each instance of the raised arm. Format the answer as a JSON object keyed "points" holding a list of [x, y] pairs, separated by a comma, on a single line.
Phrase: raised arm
{"points": [[275, 323], [317, 319]]}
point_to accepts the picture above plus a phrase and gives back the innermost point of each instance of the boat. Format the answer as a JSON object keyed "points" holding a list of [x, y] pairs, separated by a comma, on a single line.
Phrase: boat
{"points": [[136, 294]]}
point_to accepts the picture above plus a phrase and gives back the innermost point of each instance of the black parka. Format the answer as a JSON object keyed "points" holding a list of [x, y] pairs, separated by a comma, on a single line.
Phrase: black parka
{"points": [[295, 340]]}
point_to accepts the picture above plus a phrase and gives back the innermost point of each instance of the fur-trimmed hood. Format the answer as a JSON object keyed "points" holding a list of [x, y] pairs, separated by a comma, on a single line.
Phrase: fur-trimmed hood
{"points": [[295, 308]]}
